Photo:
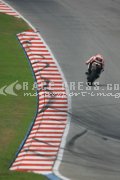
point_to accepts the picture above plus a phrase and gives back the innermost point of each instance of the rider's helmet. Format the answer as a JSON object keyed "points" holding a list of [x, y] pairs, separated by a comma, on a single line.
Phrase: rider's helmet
{"points": [[99, 58]]}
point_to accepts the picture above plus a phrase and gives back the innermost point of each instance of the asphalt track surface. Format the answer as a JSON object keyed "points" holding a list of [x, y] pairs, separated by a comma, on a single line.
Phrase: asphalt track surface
{"points": [[76, 30]]}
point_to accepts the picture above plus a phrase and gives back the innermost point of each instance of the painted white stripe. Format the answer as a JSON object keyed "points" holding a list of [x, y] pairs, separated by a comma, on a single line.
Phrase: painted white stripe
{"points": [[42, 60], [48, 142], [50, 120], [48, 126], [41, 148], [50, 99], [50, 111], [32, 37], [28, 33], [31, 44], [44, 173], [33, 167], [38, 172], [39, 57], [45, 151], [47, 54], [41, 143], [48, 131], [51, 123], [31, 48], [52, 126], [51, 117], [47, 73], [54, 88], [59, 101], [49, 139], [49, 103], [42, 96], [38, 60], [40, 66], [42, 153], [39, 158], [55, 80], [33, 41], [54, 107], [35, 162], [49, 76], [45, 135]]}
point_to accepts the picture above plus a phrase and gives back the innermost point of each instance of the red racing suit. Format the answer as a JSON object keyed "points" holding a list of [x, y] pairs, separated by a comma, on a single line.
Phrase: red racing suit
{"points": [[97, 58]]}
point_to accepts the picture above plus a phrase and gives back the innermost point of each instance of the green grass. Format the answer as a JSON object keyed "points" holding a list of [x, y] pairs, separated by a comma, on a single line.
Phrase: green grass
{"points": [[16, 112]]}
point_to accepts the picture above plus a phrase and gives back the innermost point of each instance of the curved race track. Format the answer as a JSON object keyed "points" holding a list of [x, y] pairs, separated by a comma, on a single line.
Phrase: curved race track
{"points": [[76, 30]]}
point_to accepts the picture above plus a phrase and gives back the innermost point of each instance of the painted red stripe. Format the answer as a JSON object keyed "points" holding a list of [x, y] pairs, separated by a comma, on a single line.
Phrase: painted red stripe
{"points": [[32, 43], [39, 150], [42, 62], [42, 72], [50, 128], [39, 58], [54, 106], [40, 50], [29, 38], [34, 46], [37, 54], [53, 111], [41, 145], [39, 132], [56, 115], [36, 160], [45, 126], [47, 70], [49, 78], [50, 119], [51, 150], [39, 117], [56, 99], [43, 136], [34, 155], [50, 68], [48, 124], [46, 141], [54, 102], [22, 164]]}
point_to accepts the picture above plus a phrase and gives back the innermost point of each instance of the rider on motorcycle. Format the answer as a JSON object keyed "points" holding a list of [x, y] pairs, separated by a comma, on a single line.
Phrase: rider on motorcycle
{"points": [[98, 59]]}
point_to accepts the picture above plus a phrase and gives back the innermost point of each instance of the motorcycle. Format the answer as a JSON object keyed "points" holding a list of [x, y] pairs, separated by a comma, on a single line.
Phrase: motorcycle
{"points": [[94, 73]]}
